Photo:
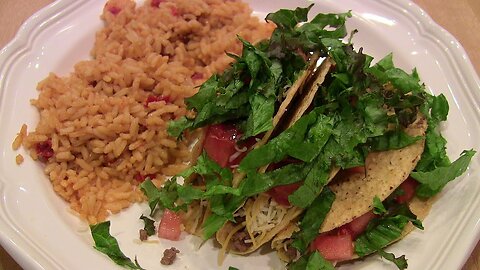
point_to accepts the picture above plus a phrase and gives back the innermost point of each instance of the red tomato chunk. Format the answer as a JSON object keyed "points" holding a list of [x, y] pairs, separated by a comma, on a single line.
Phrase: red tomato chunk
{"points": [[220, 142], [114, 10], [169, 227], [197, 76], [153, 98], [337, 245], [174, 11], [156, 3], [358, 225], [44, 149], [334, 247], [280, 193], [141, 178], [408, 186]]}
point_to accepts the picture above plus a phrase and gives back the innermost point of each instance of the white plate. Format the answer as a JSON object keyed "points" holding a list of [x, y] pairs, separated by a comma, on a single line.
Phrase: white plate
{"points": [[38, 230]]}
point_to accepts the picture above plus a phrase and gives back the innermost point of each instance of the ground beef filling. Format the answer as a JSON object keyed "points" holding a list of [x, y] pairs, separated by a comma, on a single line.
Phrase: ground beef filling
{"points": [[143, 235], [291, 253], [238, 241], [169, 256]]}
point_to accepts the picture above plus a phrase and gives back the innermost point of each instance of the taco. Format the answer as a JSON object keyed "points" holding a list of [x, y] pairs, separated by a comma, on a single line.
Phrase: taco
{"points": [[384, 192], [384, 173], [243, 108], [261, 218]]}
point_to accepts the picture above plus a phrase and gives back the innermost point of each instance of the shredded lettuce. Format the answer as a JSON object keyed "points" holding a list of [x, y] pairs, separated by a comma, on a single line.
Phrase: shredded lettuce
{"points": [[149, 225], [434, 181], [435, 154], [256, 183], [312, 220], [108, 245], [314, 35], [302, 141], [314, 261], [248, 91], [395, 139], [177, 197], [378, 207], [434, 170], [384, 230], [359, 109], [314, 182], [212, 225]]}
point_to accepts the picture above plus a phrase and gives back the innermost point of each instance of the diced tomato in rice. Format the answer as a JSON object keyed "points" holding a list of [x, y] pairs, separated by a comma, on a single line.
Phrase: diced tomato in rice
{"points": [[141, 178], [197, 76], [44, 149], [156, 3], [153, 98]]}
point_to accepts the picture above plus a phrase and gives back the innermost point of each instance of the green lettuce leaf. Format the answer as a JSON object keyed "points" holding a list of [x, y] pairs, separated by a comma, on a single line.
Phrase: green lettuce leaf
{"points": [[288, 19], [396, 139], [108, 245], [261, 115], [212, 225], [149, 226], [386, 72], [177, 197], [384, 230], [215, 221], [256, 183], [400, 262], [378, 207], [435, 154], [313, 219], [314, 261], [313, 185], [379, 234], [303, 141], [434, 181]]}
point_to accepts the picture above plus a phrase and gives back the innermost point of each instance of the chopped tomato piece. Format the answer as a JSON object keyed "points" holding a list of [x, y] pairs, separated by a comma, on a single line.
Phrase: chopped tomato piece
{"points": [[220, 142], [358, 225], [169, 227], [359, 169], [114, 10], [44, 149], [197, 76], [175, 12], [141, 178], [153, 98], [408, 186], [280, 193], [334, 247], [156, 3], [342, 230]]}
